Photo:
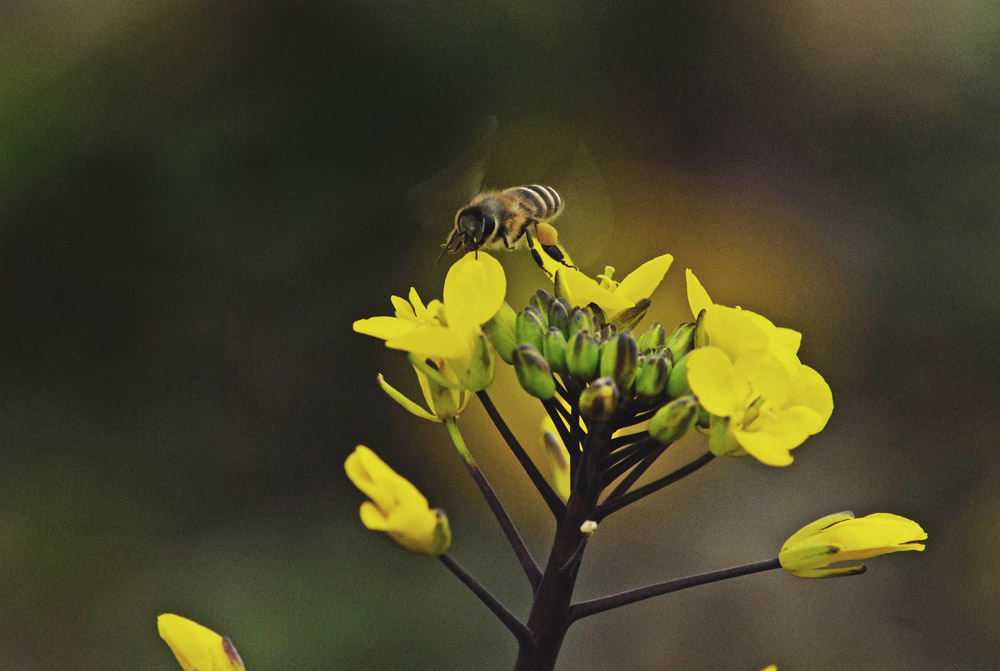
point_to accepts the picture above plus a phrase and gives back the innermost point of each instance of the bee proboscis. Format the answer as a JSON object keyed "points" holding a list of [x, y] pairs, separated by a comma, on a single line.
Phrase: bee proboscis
{"points": [[510, 219]]}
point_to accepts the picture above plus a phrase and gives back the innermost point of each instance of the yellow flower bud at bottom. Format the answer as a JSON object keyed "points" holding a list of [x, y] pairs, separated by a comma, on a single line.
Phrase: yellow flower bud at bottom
{"points": [[198, 648]]}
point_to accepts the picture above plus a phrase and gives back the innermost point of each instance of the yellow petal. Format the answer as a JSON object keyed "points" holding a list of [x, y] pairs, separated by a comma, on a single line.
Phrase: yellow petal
{"points": [[374, 477], [698, 298], [769, 448], [403, 308], [385, 328], [874, 535], [197, 648], [642, 282], [373, 518], [813, 528], [474, 290], [418, 305], [580, 290], [764, 374], [433, 340], [734, 331], [710, 376], [787, 338], [812, 391]]}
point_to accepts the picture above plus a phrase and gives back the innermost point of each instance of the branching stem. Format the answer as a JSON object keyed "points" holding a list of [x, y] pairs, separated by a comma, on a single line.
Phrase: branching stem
{"points": [[516, 627], [506, 524]]}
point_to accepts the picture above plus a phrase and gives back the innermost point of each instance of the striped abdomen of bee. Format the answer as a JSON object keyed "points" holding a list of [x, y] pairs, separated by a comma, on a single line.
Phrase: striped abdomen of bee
{"points": [[510, 219]]}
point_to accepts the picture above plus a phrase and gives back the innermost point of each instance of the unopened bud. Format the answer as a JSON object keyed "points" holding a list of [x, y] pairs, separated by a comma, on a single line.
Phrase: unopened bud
{"points": [[599, 399], [580, 319], [533, 372], [652, 338], [554, 348], [478, 374], [502, 332], [559, 315], [618, 359], [651, 377], [583, 356], [674, 420], [541, 300], [629, 318], [530, 327], [677, 384], [681, 341]]}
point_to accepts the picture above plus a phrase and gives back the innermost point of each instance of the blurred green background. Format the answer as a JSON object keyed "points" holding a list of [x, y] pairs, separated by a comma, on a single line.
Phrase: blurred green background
{"points": [[197, 199]]}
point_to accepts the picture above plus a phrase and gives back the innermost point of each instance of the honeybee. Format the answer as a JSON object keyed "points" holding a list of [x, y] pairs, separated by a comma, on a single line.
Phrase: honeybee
{"points": [[511, 219]]}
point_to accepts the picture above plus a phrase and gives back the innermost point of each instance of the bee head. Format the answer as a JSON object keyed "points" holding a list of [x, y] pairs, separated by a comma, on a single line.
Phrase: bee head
{"points": [[474, 225]]}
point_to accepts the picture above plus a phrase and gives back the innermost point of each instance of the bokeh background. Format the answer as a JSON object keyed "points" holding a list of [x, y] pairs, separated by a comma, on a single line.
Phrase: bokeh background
{"points": [[197, 199]]}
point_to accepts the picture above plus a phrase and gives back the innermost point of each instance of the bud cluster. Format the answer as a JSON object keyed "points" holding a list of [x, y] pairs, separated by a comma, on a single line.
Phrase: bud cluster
{"points": [[602, 367]]}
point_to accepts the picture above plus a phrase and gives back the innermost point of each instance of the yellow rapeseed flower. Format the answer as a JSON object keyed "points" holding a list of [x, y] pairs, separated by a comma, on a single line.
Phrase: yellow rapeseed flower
{"points": [[397, 507], [735, 330], [474, 290], [843, 538], [612, 297], [760, 405], [198, 648], [453, 355]]}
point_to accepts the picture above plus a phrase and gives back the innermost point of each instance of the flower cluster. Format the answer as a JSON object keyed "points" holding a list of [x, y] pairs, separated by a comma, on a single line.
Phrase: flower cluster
{"points": [[615, 399]]}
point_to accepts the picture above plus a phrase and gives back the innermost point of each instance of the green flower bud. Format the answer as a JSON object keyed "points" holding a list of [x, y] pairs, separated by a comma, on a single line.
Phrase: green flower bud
{"points": [[580, 319], [629, 318], [677, 383], [559, 315], [554, 348], [533, 372], [600, 319], [651, 377], [478, 374], [583, 356], [618, 359], [674, 420], [599, 399], [541, 300], [502, 332], [441, 542], [681, 341], [530, 327], [652, 338], [606, 332]]}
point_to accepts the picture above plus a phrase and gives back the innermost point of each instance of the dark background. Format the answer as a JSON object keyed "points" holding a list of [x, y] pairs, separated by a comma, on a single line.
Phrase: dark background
{"points": [[197, 199]]}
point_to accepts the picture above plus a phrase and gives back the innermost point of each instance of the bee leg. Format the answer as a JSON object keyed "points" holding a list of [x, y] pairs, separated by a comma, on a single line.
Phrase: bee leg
{"points": [[537, 256], [449, 247], [559, 254], [444, 248]]}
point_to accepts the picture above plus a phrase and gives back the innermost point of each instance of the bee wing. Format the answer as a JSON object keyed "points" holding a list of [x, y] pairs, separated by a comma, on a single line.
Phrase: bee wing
{"points": [[435, 201], [588, 217]]}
